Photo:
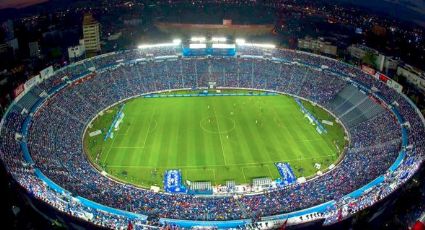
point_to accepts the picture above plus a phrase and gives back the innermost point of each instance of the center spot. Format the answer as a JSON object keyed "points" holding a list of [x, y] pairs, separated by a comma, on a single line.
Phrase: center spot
{"points": [[217, 124]]}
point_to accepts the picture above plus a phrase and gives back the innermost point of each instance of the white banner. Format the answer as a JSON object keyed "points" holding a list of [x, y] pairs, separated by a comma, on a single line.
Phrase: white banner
{"points": [[327, 122], [32, 81], [395, 85], [95, 133], [47, 72]]}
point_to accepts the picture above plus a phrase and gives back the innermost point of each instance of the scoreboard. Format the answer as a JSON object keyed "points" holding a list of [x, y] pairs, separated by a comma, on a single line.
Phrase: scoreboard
{"points": [[211, 49]]}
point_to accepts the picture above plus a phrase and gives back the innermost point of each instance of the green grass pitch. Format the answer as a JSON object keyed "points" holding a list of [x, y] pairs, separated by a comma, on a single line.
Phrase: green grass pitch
{"points": [[212, 139]]}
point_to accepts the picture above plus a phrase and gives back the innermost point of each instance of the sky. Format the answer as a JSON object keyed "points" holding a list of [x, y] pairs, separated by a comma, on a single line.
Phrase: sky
{"points": [[410, 10], [18, 3], [415, 5], [413, 10]]}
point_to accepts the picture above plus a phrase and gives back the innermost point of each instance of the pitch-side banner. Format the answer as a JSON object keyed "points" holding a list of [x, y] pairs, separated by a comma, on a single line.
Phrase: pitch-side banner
{"points": [[32, 81], [46, 73], [382, 77], [393, 84], [368, 70], [389, 82], [18, 90]]}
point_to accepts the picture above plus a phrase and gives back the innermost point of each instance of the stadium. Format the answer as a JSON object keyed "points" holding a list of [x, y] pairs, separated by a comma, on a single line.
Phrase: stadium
{"points": [[210, 133]]}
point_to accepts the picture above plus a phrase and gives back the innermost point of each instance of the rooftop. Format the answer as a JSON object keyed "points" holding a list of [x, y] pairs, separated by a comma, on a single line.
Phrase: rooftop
{"points": [[89, 20]]}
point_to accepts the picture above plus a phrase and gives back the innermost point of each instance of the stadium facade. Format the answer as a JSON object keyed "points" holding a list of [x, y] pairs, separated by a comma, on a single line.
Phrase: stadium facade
{"points": [[225, 28], [41, 137]]}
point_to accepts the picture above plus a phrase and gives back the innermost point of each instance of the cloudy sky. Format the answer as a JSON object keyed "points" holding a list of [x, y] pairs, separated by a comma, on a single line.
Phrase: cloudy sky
{"points": [[413, 10], [410, 10], [18, 3], [415, 5]]}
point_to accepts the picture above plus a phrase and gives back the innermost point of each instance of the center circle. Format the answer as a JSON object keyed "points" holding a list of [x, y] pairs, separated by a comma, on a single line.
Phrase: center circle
{"points": [[217, 125]]}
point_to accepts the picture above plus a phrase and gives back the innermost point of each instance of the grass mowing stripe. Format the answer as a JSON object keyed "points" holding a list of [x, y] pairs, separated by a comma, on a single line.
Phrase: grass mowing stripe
{"points": [[272, 141], [174, 142], [219, 134], [289, 143], [241, 164], [245, 155], [182, 131], [175, 136], [144, 122]]}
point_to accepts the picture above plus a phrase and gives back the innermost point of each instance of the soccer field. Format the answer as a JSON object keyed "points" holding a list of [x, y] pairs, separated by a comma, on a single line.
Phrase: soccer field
{"points": [[212, 139]]}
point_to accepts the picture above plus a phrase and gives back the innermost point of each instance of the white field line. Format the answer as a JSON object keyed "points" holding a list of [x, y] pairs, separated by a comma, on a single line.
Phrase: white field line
{"points": [[243, 173], [149, 127], [221, 141], [110, 148], [270, 172], [112, 145], [128, 129]]}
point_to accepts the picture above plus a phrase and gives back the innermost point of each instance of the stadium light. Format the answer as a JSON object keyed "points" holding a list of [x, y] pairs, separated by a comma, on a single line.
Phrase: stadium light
{"points": [[240, 41], [198, 39], [223, 46], [218, 39], [261, 45], [177, 41], [146, 46], [197, 46], [143, 46]]}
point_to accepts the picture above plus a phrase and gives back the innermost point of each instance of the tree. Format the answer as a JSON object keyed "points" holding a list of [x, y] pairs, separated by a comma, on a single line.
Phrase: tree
{"points": [[369, 59]]}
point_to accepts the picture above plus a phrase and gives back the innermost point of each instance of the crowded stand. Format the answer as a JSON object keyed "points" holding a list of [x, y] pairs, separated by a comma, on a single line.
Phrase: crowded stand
{"points": [[46, 138]]}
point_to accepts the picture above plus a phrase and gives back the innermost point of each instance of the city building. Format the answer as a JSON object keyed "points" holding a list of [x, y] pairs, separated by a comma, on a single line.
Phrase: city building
{"points": [[390, 64], [6, 55], [91, 34], [381, 62], [379, 30], [359, 51], [75, 52], [3, 48], [133, 21], [13, 43], [114, 37], [34, 49], [317, 45], [8, 29], [413, 75]]}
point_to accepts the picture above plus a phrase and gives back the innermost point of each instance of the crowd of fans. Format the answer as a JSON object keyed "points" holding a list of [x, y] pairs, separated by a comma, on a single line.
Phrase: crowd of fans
{"points": [[55, 143], [393, 180]]}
